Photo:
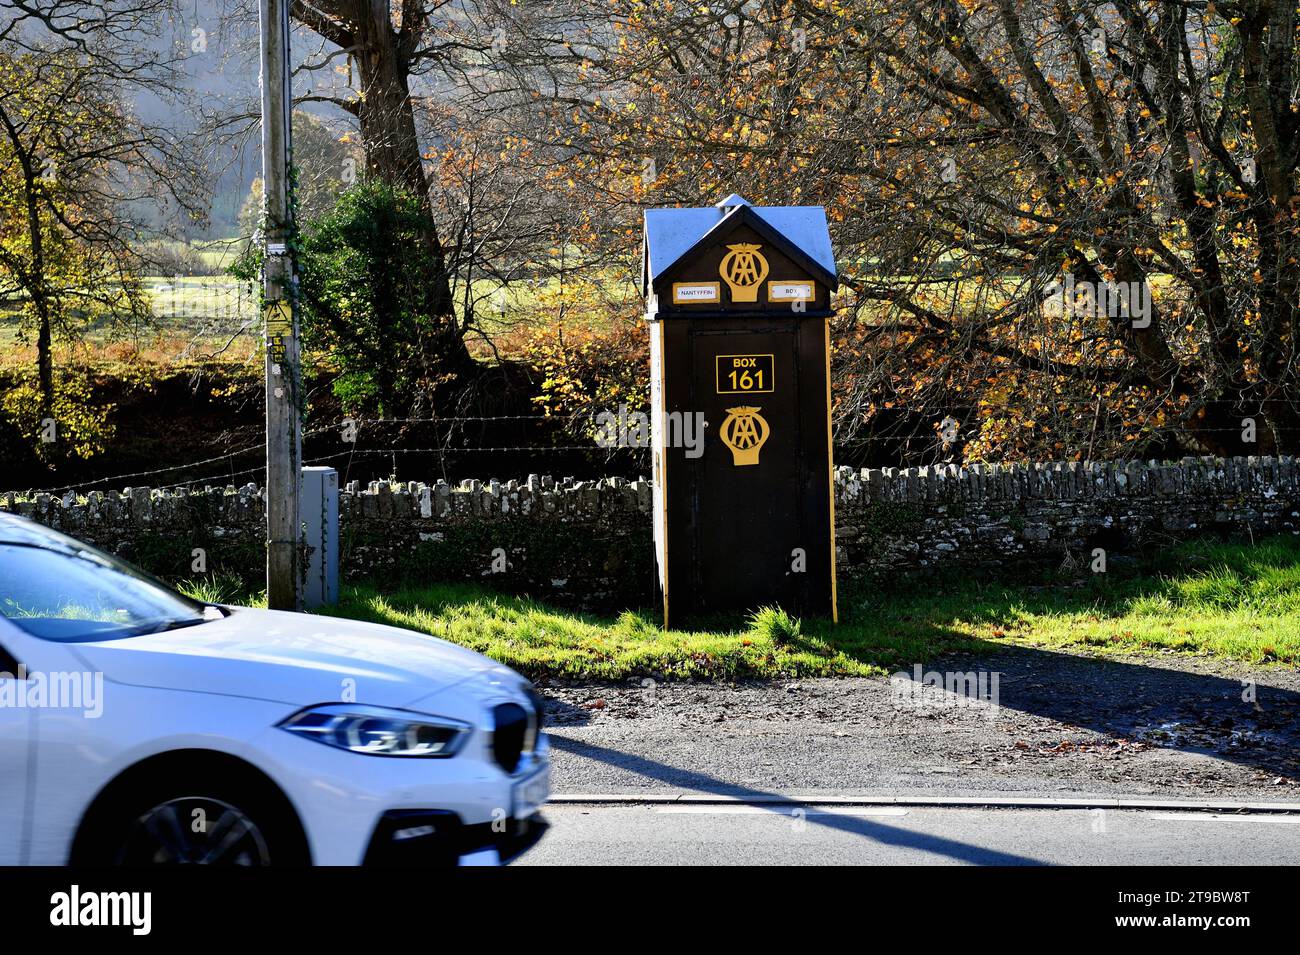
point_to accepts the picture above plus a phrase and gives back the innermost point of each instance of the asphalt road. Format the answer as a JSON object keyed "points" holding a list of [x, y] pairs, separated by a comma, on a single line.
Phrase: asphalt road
{"points": [[895, 835]]}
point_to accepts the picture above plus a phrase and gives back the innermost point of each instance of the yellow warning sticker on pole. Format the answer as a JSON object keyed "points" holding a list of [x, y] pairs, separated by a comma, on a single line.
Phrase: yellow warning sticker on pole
{"points": [[279, 319], [279, 326]]}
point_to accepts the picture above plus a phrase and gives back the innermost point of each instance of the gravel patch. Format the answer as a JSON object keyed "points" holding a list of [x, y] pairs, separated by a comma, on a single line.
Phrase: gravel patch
{"points": [[1066, 724]]}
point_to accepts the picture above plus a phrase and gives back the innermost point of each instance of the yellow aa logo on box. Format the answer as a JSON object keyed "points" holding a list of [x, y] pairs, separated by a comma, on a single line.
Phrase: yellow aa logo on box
{"points": [[744, 432], [743, 269]]}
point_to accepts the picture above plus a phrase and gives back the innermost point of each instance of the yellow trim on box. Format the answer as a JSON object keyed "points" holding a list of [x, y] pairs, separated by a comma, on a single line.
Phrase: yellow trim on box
{"points": [[662, 451], [830, 467], [715, 286]]}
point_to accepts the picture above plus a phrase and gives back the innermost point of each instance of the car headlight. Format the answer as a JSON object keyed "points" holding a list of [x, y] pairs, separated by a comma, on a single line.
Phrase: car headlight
{"points": [[375, 731]]}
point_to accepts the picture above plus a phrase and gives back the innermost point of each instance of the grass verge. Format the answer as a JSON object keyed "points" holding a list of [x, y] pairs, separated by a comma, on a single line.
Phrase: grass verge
{"points": [[1233, 601]]}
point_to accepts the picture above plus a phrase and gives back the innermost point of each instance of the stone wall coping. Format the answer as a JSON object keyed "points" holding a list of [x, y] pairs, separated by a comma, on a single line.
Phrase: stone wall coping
{"points": [[936, 483]]}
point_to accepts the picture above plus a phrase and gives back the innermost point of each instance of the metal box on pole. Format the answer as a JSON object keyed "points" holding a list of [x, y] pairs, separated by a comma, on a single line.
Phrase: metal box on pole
{"points": [[318, 500]]}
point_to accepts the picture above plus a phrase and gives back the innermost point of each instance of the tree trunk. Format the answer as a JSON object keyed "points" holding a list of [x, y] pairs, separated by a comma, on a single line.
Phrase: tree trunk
{"points": [[392, 150], [387, 121], [45, 360], [37, 290], [383, 55]]}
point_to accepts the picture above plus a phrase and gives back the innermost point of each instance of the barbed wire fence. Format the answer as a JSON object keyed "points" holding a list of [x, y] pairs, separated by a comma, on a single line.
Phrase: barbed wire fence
{"points": [[356, 427]]}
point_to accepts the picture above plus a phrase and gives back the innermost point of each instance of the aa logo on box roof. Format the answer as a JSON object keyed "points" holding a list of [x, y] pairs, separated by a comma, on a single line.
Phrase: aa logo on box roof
{"points": [[743, 269]]}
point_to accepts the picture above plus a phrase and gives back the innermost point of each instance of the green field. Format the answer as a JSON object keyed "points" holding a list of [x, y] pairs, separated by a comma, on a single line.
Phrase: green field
{"points": [[189, 300], [209, 308]]}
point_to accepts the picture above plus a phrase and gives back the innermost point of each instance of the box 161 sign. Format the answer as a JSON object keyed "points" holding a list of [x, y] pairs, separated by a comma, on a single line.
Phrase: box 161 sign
{"points": [[745, 374]]}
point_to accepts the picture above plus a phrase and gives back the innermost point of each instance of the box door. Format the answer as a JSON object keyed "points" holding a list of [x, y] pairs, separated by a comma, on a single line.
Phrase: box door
{"points": [[745, 510]]}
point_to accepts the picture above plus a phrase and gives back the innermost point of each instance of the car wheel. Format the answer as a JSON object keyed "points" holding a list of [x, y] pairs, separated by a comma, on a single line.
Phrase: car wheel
{"points": [[194, 830], [209, 823]]}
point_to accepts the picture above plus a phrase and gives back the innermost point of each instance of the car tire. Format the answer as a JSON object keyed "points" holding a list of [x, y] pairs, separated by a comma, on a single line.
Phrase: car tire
{"points": [[203, 818]]}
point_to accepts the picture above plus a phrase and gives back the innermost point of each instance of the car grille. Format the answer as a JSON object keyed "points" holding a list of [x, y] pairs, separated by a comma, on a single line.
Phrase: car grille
{"points": [[509, 734]]}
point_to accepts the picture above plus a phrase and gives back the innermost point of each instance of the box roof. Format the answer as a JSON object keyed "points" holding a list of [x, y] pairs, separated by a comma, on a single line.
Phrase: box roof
{"points": [[671, 233]]}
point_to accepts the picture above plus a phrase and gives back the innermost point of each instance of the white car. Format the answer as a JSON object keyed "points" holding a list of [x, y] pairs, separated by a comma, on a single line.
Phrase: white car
{"points": [[140, 727]]}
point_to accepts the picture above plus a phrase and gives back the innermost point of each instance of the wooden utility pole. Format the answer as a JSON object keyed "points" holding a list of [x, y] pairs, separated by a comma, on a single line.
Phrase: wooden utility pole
{"points": [[283, 424]]}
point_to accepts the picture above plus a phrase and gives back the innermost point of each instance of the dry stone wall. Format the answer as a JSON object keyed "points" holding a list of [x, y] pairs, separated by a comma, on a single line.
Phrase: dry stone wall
{"points": [[588, 543]]}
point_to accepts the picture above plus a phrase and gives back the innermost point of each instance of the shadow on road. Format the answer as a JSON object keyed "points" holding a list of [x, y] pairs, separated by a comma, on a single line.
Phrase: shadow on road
{"points": [[1242, 721], [854, 825]]}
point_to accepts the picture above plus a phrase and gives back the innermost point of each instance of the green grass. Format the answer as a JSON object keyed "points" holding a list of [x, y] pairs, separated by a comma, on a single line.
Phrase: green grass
{"points": [[542, 640], [1236, 602], [221, 589], [1232, 601]]}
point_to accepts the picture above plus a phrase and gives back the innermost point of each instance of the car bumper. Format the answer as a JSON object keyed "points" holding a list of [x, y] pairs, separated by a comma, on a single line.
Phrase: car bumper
{"points": [[437, 838], [361, 809]]}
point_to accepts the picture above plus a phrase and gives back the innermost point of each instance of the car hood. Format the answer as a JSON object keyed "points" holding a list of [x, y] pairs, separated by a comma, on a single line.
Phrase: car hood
{"points": [[293, 658]]}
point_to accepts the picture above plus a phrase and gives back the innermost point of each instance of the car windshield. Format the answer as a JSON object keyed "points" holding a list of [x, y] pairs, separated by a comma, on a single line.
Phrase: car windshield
{"points": [[80, 595]]}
